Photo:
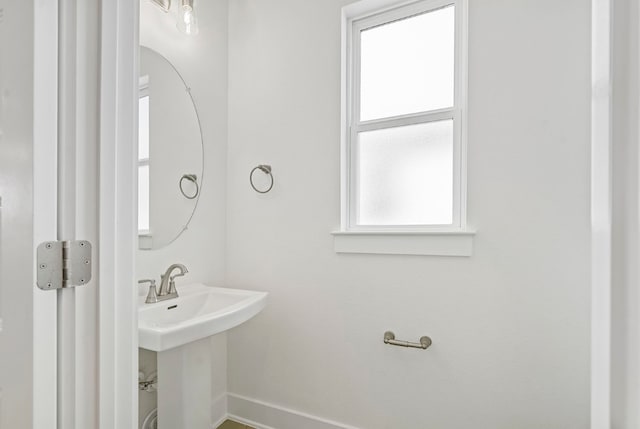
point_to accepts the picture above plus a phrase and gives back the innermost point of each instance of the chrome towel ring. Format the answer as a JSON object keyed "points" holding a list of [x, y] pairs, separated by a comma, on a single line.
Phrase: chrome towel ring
{"points": [[266, 169], [193, 179]]}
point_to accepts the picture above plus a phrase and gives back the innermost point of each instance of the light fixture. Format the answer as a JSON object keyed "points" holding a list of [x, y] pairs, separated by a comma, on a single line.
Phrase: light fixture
{"points": [[187, 22], [186, 19]]}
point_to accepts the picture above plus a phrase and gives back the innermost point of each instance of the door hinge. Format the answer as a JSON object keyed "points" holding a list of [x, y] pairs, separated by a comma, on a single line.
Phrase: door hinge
{"points": [[63, 264]]}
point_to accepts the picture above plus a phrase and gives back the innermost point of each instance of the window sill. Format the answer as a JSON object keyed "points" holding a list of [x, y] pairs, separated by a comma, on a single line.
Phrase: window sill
{"points": [[437, 243]]}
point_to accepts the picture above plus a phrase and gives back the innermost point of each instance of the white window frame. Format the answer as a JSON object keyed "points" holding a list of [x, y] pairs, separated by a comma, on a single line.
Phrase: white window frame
{"points": [[144, 92], [454, 239]]}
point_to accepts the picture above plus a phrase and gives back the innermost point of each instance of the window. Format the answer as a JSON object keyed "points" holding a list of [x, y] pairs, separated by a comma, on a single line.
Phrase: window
{"points": [[403, 141], [143, 158]]}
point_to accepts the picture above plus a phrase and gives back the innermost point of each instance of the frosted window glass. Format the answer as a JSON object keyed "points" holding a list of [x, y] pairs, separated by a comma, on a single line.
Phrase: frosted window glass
{"points": [[407, 66], [143, 128], [405, 175], [143, 198]]}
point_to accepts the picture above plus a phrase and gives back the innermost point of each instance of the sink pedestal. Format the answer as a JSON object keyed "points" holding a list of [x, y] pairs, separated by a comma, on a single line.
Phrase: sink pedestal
{"points": [[188, 334], [192, 384]]}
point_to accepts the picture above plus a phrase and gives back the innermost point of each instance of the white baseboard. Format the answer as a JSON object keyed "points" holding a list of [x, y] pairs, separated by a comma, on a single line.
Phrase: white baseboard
{"points": [[219, 410], [263, 415], [219, 422]]}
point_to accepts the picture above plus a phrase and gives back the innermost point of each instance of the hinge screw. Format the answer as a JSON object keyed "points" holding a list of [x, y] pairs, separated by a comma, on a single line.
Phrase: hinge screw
{"points": [[49, 285], [43, 266], [48, 246], [86, 262]]}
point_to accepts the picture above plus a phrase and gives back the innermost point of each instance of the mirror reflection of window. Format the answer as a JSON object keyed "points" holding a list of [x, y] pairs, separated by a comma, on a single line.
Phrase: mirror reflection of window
{"points": [[143, 158]]}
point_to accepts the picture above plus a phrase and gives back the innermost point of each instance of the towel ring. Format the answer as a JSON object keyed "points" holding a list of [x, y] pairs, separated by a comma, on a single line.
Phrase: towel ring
{"points": [[193, 179], [266, 169]]}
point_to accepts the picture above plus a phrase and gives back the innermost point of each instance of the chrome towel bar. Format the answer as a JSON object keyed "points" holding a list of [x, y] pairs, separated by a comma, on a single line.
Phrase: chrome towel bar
{"points": [[390, 338]]}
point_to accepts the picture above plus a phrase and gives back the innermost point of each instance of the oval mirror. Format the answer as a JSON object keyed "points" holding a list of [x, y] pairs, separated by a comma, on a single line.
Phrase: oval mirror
{"points": [[170, 153]]}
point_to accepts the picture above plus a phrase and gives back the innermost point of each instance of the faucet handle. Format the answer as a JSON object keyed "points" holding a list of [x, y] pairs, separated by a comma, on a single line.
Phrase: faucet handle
{"points": [[152, 296], [172, 283], [172, 288]]}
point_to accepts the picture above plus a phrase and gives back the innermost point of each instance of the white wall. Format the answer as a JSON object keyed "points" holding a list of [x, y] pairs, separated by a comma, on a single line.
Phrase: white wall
{"points": [[625, 354], [510, 325], [202, 61]]}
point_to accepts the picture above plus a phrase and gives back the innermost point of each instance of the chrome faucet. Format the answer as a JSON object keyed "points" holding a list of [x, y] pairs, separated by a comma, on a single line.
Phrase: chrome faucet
{"points": [[168, 284]]}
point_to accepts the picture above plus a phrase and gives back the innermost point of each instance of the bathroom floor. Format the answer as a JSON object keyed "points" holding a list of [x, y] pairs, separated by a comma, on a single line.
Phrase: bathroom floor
{"points": [[229, 424]]}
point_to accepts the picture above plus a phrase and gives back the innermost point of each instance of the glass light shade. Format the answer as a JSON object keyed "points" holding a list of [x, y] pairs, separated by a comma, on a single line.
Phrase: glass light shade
{"points": [[187, 22]]}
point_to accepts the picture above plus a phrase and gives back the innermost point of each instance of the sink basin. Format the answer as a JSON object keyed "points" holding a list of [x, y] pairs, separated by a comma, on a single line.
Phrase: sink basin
{"points": [[199, 312]]}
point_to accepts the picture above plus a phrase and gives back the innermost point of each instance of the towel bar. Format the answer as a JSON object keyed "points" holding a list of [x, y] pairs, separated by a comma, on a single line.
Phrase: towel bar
{"points": [[390, 338]]}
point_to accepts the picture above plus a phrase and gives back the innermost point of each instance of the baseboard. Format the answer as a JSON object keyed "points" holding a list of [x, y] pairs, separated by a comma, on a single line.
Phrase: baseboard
{"points": [[248, 422], [219, 422], [263, 415], [219, 410]]}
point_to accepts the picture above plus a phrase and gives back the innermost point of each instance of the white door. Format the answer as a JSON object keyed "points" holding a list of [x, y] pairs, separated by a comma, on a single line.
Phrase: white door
{"points": [[68, 356]]}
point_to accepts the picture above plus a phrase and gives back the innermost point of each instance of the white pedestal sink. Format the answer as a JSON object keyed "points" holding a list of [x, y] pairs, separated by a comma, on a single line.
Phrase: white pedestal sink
{"points": [[179, 330], [199, 312]]}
